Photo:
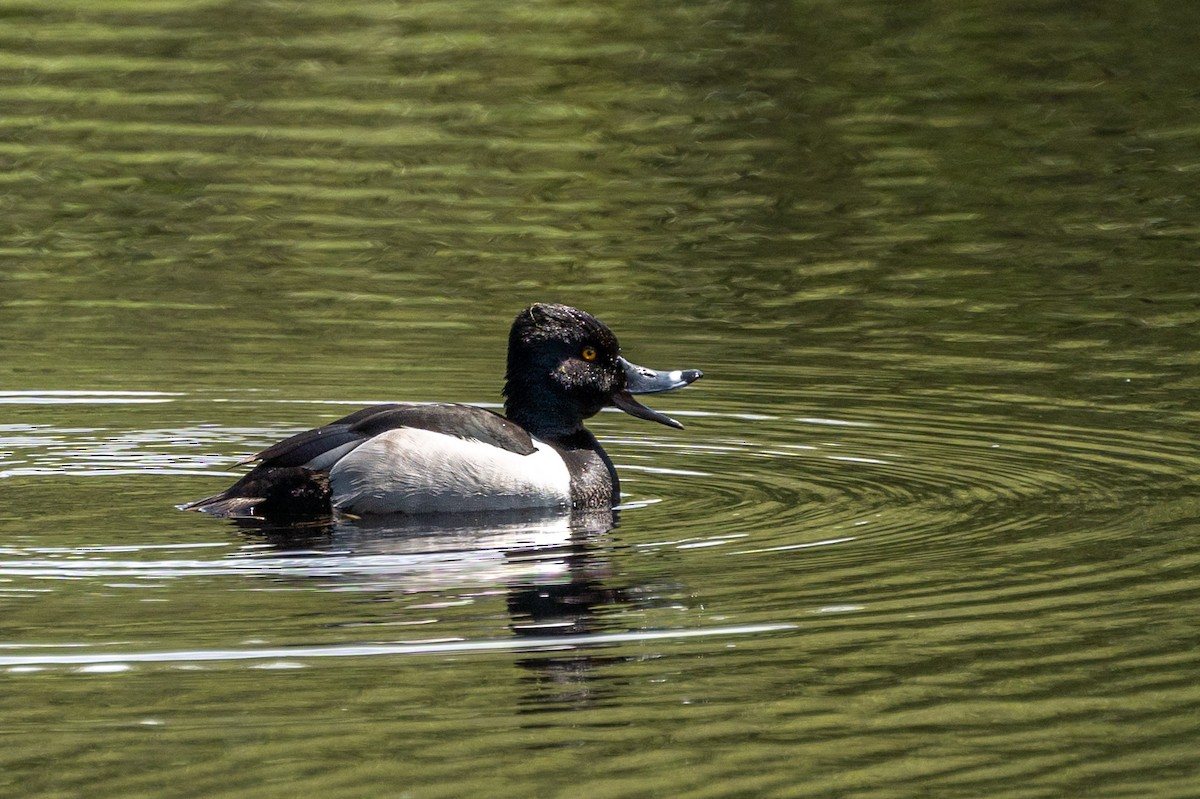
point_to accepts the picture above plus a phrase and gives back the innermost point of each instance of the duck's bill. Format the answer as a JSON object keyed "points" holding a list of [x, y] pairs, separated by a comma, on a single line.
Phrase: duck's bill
{"points": [[625, 401], [640, 380]]}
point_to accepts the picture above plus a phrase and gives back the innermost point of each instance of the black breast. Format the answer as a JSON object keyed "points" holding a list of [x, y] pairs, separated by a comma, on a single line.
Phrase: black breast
{"points": [[594, 482]]}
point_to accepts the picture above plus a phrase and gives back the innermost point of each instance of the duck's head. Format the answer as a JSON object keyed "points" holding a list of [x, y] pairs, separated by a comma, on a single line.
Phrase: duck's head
{"points": [[564, 365]]}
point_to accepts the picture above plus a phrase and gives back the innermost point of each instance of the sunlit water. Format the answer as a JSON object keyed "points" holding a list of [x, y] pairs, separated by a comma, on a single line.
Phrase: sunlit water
{"points": [[930, 530]]}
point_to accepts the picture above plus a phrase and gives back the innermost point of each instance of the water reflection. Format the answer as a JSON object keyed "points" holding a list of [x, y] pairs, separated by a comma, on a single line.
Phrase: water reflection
{"points": [[552, 568]]}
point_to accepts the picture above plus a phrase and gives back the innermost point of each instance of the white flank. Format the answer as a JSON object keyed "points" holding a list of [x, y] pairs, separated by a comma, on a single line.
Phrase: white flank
{"points": [[417, 471]]}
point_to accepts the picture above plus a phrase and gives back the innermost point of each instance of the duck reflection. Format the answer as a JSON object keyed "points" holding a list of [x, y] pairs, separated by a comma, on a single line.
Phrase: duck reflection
{"points": [[569, 607], [553, 569], [515, 531]]}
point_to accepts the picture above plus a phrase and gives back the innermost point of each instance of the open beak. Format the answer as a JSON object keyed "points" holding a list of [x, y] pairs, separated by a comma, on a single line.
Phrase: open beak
{"points": [[640, 380]]}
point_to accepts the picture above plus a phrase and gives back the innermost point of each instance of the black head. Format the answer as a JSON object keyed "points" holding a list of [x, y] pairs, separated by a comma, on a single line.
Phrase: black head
{"points": [[562, 368], [564, 365]]}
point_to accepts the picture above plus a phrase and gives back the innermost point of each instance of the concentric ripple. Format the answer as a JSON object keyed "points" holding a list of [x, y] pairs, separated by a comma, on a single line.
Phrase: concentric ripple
{"points": [[891, 474]]}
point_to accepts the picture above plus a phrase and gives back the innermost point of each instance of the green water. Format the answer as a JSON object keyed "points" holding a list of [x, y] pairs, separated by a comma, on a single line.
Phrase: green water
{"points": [[930, 531]]}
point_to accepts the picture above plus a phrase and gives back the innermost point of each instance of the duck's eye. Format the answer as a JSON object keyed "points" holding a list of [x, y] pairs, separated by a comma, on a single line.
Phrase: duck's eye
{"points": [[589, 353]]}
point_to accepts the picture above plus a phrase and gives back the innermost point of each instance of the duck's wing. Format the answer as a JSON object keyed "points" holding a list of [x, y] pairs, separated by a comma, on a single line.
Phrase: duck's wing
{"points": [[461, 421], [320, 447], [291, 477]]}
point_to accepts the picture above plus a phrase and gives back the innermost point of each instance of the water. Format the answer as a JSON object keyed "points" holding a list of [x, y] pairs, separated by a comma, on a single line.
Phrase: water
{"points": [[929, 531]]}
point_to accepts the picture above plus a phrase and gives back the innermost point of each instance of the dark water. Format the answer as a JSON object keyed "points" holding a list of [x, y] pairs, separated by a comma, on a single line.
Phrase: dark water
{"points": [[930, 531]]}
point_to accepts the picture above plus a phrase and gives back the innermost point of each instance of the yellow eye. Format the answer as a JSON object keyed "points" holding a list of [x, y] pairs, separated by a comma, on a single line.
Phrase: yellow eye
{"points": [[589, 353]]}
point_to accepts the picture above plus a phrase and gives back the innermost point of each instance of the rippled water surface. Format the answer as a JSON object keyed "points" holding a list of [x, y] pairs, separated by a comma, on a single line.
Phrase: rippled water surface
{"points": [[931, 529]]}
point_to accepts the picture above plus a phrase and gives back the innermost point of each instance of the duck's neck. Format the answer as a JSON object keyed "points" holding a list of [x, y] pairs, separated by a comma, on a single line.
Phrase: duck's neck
{"points": [[541, 413]]}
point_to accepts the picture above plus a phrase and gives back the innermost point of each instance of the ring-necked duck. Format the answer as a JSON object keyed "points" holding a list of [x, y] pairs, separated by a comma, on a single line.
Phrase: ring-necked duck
{"points": [[564, 365]]}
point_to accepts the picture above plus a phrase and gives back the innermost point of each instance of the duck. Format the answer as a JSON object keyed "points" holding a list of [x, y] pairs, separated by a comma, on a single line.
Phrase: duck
{"points": [[564, 365]]}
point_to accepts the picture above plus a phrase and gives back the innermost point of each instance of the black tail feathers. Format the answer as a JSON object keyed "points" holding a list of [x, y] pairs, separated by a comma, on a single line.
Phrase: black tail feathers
{"points": [[271, 492]]}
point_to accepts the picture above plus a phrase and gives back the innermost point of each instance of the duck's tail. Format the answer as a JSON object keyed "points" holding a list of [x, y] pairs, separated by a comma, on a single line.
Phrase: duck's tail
{"points": [[271, 491]]}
